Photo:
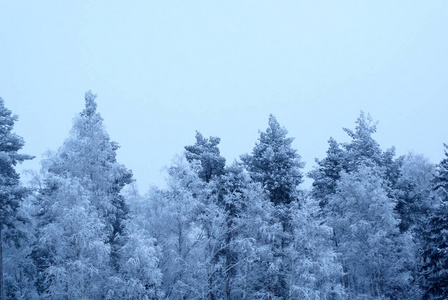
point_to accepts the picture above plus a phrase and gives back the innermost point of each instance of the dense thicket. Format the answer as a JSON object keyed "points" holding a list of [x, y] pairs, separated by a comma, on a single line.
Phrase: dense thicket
{"points": [[373, 226]]}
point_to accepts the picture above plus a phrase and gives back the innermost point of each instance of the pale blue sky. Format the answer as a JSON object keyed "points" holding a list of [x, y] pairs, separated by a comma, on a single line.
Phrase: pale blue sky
{"points": [[163, 69]]}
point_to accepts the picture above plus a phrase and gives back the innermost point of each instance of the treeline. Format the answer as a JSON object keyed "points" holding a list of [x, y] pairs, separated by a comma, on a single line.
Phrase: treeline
{"points": [[373, 226]]}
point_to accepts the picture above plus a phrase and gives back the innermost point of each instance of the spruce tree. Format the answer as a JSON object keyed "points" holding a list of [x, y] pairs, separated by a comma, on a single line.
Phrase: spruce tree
{"points": [[11, 193], [277, 167], [435, 253], [328, 172]]}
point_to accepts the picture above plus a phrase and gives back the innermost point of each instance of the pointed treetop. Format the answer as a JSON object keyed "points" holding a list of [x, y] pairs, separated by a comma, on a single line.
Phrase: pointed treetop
{"points": [[275, 130], [7, 119], [275, 163], [90, 104], [441, 177]]}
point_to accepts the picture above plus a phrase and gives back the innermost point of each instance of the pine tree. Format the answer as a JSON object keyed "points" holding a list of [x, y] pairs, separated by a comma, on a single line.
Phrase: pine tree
{"points": [[363, 149], [210, 166], [277, 166], [11, 193], [206, 152]]}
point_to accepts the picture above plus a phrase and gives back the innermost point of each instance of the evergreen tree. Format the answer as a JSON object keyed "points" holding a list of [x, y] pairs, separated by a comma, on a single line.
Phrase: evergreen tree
{"points": [[206, 151], [413, 190], [441, 178], [277, 166], [327, 174], [11, 193], [210, 168], [247, 263], [435, 251], [362, 150]]}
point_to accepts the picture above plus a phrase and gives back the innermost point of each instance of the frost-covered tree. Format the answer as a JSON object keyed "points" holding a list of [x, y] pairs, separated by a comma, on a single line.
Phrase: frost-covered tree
{"points": [[249, 226], [233, 201], [206, 152], [90, 155], [174, 222], [435, 250], [81, 216], [205, 156], [362, 150], [413, 192], [11, 193], [72, 252], [247, 264], [316, 269], [374, 253], [19, 269], [277, 166], [328, 172], [140, 277]]}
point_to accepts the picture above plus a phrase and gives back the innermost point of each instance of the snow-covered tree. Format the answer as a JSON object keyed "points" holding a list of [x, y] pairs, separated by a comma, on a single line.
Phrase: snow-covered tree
{"points": [[374, 253], [90, 155], [250, 231], [81, 212], [175, 224], [435, 250], [11, 193], [413, 190], [72, 251], [140, 277], [362, 150], [247, 233], [206, 152], [210, 167], [327, 174], [316, 269], [277, 166]]}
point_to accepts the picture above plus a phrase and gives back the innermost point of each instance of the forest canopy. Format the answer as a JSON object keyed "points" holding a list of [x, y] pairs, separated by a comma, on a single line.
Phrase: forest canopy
{"points": [[372, 225]]}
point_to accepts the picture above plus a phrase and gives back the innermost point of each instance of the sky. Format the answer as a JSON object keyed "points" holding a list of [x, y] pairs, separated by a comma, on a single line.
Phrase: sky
{"points": [[164, 69]]}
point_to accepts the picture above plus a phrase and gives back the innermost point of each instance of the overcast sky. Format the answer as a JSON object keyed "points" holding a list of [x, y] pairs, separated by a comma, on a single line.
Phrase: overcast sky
{"points": [[163, 69]]}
